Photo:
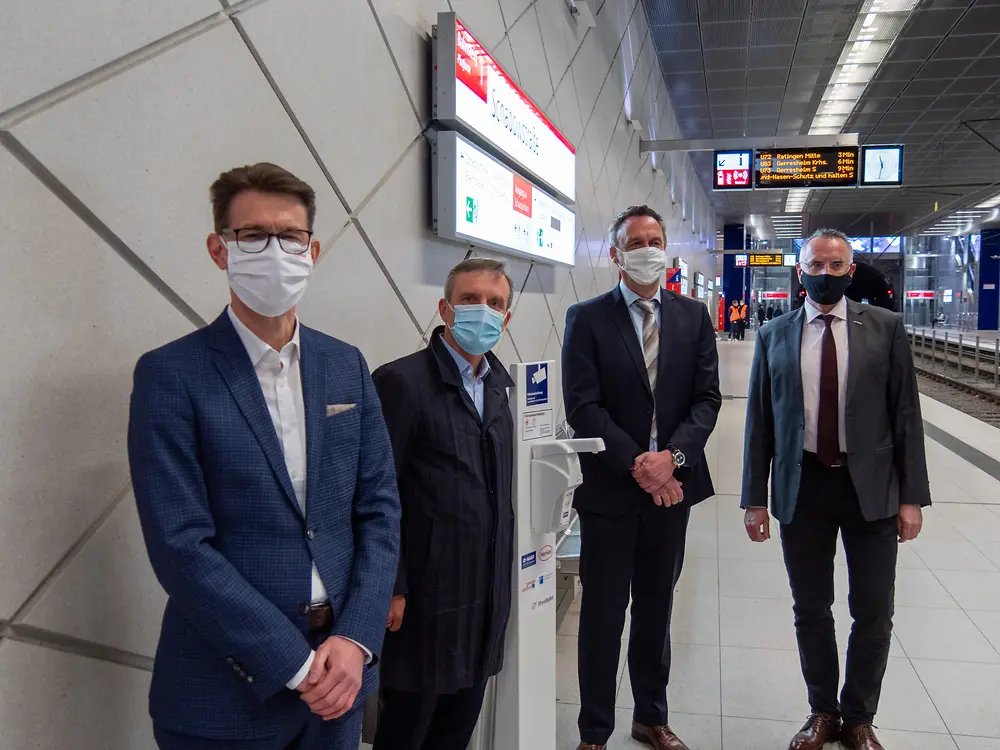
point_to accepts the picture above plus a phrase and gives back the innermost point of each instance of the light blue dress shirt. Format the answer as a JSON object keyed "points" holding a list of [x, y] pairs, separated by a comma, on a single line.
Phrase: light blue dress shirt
{"points": [[473, 386], [638, 316]]}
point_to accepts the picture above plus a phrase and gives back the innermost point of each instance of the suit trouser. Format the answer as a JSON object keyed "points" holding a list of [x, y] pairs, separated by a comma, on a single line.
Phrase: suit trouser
{"points": [[428, 721], [642, 552], [312, 734], [828, 503]]}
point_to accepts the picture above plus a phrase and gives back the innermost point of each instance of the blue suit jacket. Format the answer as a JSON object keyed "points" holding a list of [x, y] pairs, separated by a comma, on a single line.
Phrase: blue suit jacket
{"points": [[227, 539]]}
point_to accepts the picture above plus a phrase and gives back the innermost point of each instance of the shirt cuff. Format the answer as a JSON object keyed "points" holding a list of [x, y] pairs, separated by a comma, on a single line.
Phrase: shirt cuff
{"points": [[293, 684], [368, 654]]}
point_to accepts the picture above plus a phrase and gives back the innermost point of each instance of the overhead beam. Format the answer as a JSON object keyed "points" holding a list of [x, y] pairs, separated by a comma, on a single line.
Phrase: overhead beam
{"points": [[748, 144]]}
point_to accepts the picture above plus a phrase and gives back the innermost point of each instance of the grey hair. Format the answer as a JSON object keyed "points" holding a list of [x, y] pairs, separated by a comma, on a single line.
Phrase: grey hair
{"points": [[615, 238], [479, 265], [829, 234]]}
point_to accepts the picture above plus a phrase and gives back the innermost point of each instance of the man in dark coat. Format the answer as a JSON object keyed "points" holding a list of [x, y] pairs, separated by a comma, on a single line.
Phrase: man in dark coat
{"points": [[452, 438]]}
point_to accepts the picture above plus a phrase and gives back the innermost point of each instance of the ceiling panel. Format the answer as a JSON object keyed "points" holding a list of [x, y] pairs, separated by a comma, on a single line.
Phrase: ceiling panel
{"points": [[761, 67]]}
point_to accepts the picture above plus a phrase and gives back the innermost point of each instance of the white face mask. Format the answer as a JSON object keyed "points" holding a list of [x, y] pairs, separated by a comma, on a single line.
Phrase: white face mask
{"points": [[270, 282], [644, 265]]}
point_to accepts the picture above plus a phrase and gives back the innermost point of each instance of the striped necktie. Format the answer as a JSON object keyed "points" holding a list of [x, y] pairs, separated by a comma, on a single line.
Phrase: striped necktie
{"points": [[650, 348]]}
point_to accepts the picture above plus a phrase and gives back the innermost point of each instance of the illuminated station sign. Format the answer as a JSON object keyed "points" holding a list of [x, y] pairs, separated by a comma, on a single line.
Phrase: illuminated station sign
{"points": [[473, 94]]}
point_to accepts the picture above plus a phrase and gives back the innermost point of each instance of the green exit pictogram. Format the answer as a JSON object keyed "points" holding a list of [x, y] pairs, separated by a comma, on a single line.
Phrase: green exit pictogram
{"points": [[540, 240], [471, 210]]}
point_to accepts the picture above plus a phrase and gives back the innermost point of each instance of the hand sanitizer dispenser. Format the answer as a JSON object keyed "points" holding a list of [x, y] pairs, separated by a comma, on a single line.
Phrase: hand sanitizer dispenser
{"points": [[555, 475]]}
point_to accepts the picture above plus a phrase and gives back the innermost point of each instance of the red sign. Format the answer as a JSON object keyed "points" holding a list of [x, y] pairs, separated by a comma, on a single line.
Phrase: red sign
{"points": [[470, 63], [722, 312], [522, 196], [774, 295], [673, 280], [545, 552], [732, 178], [921, 294]]}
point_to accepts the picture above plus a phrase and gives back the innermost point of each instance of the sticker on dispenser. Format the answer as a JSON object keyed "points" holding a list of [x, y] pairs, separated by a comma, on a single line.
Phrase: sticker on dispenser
{"points": [[537, 385], [567, 505], [536, 424]]}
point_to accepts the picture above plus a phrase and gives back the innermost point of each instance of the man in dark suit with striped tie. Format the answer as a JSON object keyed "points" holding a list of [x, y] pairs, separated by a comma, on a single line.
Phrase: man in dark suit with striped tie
{"points": [[834, 412], [641, 371]]}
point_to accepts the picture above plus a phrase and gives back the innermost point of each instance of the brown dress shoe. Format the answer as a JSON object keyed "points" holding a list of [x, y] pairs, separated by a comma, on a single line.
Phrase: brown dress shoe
{"points": [[661, 738], [816, 732], [860, 738]]}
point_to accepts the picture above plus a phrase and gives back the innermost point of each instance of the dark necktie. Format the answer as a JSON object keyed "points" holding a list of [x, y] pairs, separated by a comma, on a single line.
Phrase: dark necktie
{"points": [[828, 423]]}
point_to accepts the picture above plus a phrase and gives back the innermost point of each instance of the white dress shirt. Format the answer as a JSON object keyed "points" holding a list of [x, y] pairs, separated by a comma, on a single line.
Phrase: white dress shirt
{"points": [[812, 354], [281, 383], [638, 317]]}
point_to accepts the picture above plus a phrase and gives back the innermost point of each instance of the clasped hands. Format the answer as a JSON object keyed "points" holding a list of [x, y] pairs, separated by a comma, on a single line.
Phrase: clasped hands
{"points": [[334, 678], [654, 473]]}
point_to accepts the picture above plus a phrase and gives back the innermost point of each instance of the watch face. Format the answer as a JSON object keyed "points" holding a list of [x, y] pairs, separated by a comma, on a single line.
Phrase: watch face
{"points": [[679, 458]]}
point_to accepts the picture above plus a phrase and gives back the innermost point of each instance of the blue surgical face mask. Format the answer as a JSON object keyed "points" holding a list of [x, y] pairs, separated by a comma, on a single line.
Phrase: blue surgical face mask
{"points": [[477, 328]]}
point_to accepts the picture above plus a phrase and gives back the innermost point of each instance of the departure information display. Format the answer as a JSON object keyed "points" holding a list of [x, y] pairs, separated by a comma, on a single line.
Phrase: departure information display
{"points": [[732, 170], [765, 259], [785, 168]]}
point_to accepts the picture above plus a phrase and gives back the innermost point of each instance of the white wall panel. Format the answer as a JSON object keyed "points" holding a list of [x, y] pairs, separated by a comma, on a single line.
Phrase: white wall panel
{"points": [[348, 297], [144, 168], [346, 94], [48, 44], [513, 10], [531, 320], [563, 35], [526, 43], [55, 701], [569, 109], [397, 221], [504, 56], [407, 26], [590, 68], [77, 317], [483, 18], [108, 593]]}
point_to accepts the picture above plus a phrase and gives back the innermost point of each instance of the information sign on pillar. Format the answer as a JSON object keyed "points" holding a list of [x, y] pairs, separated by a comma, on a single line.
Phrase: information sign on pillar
{"points": [[673, 280]]}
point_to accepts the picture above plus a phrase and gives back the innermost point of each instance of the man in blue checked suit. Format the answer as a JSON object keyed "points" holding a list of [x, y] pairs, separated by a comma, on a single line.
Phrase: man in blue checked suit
{"points": [[264, 479]]}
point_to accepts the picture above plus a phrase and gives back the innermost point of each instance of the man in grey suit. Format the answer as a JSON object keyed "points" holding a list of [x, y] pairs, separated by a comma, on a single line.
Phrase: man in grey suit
{"points": [[834, 417]]}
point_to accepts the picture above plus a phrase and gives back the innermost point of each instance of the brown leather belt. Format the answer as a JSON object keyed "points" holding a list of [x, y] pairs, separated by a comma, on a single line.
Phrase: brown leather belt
{"points": [[320, 616]]}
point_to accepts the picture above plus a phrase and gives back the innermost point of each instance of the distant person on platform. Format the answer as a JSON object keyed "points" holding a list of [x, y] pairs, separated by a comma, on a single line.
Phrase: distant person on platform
{"points": [[264, 480], [735, 320], [453, 442], [641, 371], [761, 316], [779, 311], [744, 319], [834, 412], [770, 312]]}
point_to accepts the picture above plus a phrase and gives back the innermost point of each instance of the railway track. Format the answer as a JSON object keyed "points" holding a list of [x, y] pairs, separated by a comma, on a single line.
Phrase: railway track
{"points": [[959, 373]]}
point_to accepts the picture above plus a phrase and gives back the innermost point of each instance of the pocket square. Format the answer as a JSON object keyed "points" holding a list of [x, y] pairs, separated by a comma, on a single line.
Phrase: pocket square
{"points": [[334, 409]]}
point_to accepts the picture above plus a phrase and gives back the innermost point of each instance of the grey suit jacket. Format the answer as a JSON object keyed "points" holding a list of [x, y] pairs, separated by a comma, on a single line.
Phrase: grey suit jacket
{"points": [[885, 436]]}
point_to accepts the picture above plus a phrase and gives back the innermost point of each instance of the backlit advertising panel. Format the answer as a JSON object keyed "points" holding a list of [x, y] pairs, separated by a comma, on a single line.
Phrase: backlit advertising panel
{"points": [[481, 201]]}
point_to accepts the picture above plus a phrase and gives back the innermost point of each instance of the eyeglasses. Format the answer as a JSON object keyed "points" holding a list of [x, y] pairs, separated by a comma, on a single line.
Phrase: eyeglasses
{"points": [[834, 268], [253, 240]]}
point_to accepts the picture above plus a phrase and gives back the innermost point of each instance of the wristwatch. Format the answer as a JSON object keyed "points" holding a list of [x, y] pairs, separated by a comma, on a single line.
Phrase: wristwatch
{"points": [[678, 455]]}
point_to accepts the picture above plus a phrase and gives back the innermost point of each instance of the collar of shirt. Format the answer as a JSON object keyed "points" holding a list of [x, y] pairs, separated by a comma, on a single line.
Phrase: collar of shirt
{"points": [[464, 366], [631, 297], [256, 348], [839, 310]]}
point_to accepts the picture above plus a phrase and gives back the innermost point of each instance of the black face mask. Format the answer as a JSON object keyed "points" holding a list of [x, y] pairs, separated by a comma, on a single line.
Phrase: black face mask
{"points": [[826, 289]]}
